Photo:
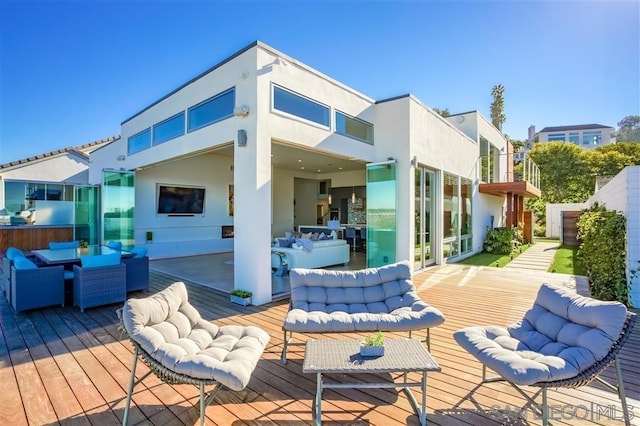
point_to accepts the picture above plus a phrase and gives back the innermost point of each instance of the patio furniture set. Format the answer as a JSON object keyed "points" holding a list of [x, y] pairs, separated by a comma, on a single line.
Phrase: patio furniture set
{"points": [[87, 276], [564, 340]]}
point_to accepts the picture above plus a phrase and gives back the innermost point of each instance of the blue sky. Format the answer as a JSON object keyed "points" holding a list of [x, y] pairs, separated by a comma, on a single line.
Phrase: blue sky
{"points": [[72, 71]]}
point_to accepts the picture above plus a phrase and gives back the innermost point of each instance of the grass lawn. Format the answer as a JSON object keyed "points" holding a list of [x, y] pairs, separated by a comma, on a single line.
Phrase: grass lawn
{"points": [[488, 259], [566, 262]]}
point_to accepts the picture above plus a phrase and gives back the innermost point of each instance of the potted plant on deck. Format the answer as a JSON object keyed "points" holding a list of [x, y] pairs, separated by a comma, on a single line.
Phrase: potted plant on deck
{"points": [[241, 297], [373, 345]]}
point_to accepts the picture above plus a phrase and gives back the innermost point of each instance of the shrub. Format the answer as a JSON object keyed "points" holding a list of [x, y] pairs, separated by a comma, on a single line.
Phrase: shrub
{"points": [[499, 240], [539, 230], [240, 293], [602, 252]]}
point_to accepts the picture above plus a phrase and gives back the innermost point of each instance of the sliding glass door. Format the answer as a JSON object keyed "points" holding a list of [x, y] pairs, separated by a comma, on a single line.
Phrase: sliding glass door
{"points": [[86, 223], [118, 205], [424, 219], [381, 213]]}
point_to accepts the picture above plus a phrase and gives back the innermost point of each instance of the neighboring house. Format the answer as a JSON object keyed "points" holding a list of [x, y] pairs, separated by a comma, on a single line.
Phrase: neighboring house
{"points": [[39, 190], [261, 144], [588, 136]]}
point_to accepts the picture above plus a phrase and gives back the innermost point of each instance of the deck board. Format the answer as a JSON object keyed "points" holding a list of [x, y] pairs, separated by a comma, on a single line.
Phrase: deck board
{"points": [[59, 365]]}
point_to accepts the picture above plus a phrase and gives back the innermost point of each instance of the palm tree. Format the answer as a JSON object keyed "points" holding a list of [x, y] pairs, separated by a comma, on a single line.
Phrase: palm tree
{"points": [[497, 106]]}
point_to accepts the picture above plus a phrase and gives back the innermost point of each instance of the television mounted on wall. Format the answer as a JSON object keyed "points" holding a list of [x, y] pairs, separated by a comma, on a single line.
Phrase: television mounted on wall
{"points": [[180, 200]]}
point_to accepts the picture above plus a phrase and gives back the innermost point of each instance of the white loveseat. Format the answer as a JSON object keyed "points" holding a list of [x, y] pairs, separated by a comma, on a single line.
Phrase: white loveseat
{"points": [[324, 253]]}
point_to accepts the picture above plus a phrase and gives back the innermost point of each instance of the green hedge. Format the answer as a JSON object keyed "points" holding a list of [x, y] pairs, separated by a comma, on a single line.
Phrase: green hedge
{"points": [[499, 240], [602, 251]]}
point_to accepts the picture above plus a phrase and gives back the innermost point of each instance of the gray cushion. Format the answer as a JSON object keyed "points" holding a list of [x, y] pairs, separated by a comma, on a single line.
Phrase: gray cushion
{"points": [[365, 300], [561, 336], [171, 330]]}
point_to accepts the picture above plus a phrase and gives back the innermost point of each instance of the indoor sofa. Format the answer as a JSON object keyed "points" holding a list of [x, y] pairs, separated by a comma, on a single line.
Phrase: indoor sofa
{"points": [[366, 300], [311, 254]]}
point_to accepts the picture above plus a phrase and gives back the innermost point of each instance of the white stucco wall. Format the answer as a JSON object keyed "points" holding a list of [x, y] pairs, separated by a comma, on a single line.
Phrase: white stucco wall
{"points": [[185, 235], [553, 225], [622, 194]]}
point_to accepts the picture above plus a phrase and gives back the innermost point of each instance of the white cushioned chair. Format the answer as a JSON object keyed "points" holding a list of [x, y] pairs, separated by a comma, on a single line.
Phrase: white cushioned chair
{"points": [[179, 346], [373, 299], [564, 340]]}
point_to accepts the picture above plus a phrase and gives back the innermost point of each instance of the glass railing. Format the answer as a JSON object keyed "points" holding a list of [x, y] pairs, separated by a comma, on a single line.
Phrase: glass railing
{"points": [[494, 169]]}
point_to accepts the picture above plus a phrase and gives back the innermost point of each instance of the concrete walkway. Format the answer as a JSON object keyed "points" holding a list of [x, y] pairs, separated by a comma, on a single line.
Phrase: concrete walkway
{"points": [[538, 258]]}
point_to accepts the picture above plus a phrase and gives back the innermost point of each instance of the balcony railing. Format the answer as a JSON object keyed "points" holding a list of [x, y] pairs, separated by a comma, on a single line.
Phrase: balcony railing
{"points": [[504, 168]]}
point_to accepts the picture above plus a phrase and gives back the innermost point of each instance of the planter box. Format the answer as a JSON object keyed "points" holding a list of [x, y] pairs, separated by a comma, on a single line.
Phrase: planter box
{"points": [[244, 301], [371, 350]]}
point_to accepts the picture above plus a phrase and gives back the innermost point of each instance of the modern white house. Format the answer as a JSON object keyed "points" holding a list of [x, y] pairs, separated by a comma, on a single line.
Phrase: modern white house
{"points": [[261, 144]]}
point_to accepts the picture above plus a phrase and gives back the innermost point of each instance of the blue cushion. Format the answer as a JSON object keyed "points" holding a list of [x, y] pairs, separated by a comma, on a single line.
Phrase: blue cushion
{"points": [[63, 245], [283, 242], [92, 261], [24, 263], [13, 253], [139, 251], [305, 243], [68, 275], [116, 245]]}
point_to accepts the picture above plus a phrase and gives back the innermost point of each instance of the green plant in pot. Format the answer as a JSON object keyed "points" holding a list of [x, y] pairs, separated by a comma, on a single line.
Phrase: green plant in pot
{"points": [[373, 345], [241, 297]]}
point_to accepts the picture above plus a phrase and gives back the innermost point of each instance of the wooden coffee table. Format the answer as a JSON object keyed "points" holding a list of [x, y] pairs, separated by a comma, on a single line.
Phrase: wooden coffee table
{"points": [[329, 356]]}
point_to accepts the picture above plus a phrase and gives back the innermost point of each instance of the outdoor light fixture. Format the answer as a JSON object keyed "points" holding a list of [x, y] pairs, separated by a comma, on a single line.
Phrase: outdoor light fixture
{"points": [[241, 111], [121, 157], [242, 137]]}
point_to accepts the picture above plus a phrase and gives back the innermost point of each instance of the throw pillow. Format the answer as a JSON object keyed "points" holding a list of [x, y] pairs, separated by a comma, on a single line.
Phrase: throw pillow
{"points": [[283, 242], [305, 243]]}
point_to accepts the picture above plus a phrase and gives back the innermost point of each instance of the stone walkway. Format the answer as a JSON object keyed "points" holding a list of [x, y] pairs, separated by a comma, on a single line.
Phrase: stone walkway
{"points": [[539, 257]]}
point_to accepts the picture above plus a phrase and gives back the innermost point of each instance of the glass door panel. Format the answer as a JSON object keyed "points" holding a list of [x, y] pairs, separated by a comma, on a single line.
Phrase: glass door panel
{"points": [[424, 187], [381, 214], [429, 199], [118, 205], [86, 224]]}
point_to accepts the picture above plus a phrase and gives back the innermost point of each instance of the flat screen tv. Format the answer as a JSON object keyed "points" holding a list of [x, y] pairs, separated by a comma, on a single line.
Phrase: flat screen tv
{"points": [[180, 200]]}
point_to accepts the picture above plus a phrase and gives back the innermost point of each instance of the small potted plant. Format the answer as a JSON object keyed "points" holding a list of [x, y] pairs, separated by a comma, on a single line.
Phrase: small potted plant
{"points": [[241, 297], [373, 345]]}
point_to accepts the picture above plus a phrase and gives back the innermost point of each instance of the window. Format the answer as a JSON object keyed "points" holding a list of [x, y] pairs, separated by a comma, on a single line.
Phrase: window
{"points": [[23, 195], [294, 104], [139, 142], [465, 215], [556, 137], [574, 138], [212, 110], [450, 206], [168, 129], [490, 161], [591, 138], [354, 127]]}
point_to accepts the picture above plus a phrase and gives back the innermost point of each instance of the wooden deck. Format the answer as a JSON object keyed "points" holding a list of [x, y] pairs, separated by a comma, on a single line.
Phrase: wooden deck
{"points": [[60, 366]]}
